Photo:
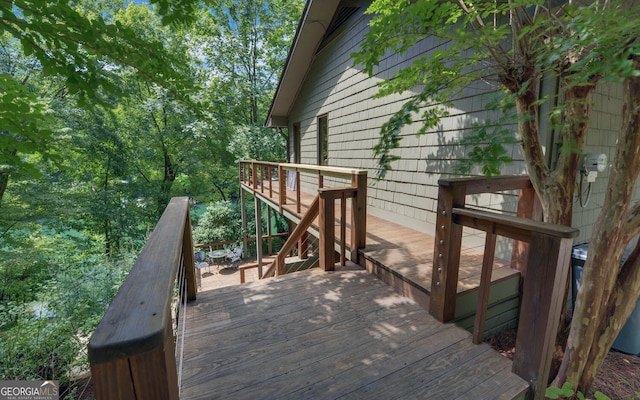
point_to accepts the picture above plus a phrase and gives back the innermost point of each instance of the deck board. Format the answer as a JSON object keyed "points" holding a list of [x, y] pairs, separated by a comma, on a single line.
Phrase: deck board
{"points": [[342, 334]]}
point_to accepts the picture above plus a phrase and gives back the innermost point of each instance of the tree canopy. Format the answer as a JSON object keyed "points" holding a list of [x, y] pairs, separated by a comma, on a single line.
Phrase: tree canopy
{"points": [[108, 109]]}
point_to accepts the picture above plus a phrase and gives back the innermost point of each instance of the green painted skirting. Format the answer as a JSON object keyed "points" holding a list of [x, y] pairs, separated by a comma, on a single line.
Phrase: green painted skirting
{"points": [[503, 309]]}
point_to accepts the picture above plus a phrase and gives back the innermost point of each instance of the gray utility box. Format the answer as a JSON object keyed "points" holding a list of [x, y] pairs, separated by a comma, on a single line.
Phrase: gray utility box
{"points": [[628, 340]]}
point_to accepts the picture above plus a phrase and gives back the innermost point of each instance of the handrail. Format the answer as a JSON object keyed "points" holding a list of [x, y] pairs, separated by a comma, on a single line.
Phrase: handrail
{"points": [[225, 242], [252, 177], [452, 193], [476, 185], [339, 172], [323, 206], [501, 225], [543, 286], [131, 351], [510, 226], [277, 268]]}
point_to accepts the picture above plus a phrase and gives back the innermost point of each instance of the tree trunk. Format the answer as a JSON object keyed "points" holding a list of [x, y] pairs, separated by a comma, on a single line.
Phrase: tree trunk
{"points": [[169, 177], [608, 293], [106, 223], [107, 237], [4, 177], [555, 188], [4, 182]]}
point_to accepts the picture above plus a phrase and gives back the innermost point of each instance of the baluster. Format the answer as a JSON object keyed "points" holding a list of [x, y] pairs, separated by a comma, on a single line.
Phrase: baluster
{"points": [[485, 286], [343, 229]]}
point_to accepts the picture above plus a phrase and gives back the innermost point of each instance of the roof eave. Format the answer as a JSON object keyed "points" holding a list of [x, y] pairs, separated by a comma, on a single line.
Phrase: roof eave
{"points": [[315, 19]]}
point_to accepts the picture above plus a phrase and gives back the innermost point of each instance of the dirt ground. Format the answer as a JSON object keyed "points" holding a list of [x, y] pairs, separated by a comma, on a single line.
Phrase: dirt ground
{"points": [[618, 378]]}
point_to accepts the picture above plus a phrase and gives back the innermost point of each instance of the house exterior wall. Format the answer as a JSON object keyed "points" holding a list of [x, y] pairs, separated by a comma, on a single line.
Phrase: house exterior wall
{"points": [[408, 195], [602, 137]]}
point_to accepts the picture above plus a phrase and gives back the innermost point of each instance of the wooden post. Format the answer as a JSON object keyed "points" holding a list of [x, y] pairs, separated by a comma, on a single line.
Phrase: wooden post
{"points": [[150, 375], [279, 264], [541, 306], [187, 261], [446, 254], [254, 171], [303, 246], [485, 286], [298, 190], [358, 216], [269, 232], [258, 210], [131, 352], [327, 231], [343, 229], [282, 185], [243, 209], [270, 179]]}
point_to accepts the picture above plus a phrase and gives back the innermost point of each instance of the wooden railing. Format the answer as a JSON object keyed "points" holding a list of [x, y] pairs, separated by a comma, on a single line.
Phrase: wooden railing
{"points": [[260, 177], [278, 265], [259, 174], [224, 243], [328, 198], [544, 268], [132, 351]]}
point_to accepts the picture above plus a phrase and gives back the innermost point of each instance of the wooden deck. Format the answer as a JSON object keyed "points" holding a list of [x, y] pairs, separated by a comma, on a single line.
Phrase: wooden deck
{"points": [[328, 335], [401, 256]]}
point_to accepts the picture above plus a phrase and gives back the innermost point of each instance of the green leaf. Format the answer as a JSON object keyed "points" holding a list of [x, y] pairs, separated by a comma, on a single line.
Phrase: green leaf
{"points": [[566, 391], [601, 396]]}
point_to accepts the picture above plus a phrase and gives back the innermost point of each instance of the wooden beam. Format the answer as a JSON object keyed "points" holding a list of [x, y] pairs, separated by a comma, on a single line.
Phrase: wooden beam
{"points": [[282, 180], [258, 215], [160, 382], [337, 172], [254, 176], [244, 268], [446, 255], [485, 287], [303, 246], [243, 208], [269, 178], [476, 185], [541, 309], [269, 232], [298, 190], [187, 260], [358, 216], [343, 229], [327, 230], [510, 226]]}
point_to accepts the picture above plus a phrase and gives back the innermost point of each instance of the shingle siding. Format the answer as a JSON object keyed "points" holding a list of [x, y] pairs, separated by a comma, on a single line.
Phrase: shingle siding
{"points": [[408, 194]]}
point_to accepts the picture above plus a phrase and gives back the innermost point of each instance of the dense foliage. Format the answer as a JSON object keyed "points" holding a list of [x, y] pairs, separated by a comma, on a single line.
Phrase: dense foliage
{"points": [[107, 110], [222, 221]]}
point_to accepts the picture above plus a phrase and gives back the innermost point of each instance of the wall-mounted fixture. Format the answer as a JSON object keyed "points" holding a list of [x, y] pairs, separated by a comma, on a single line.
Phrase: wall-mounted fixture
{"points": [[590, 165]]}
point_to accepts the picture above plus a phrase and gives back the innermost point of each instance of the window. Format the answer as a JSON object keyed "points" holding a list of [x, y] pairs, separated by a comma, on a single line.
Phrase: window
{"points": [[295, 149], [323, 140]]}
